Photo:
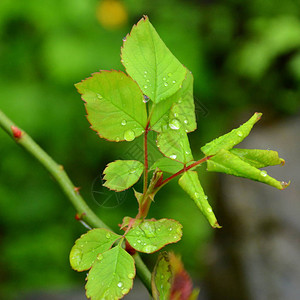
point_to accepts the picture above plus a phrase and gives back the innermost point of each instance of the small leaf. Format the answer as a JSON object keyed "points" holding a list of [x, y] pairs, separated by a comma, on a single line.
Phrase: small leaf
{"points": [[232, 138], [122, 174], [151, 236], [167, 165], [115, 106], [162, 278], [150, 63], [226, 162], [190, 183], [175, 144], [138, 196], [184, 109], [111, 276], [89, 245], [128, 220], [258, 158]]}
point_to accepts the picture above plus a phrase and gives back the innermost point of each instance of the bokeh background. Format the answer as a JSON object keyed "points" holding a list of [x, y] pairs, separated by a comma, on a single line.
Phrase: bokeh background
{"points": [[245, 57]]}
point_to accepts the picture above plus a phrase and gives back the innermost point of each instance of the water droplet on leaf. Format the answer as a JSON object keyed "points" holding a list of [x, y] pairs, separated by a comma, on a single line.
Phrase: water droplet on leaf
{"points": [[166, 84], [263, 173], [149, 248], [146, 99], [120, 284], [209, 210], [173, 156], [164, 79], [174, 81], [130, 275], [108, 235], [239, 133], [174, 124], [125, 291], [76, 256], [129, 135], [100, 257], [124, 122], [185, 121]]}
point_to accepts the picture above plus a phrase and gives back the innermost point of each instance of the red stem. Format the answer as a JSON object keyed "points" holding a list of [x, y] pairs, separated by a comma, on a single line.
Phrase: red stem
{"points": [[146, 157], [196, 163]]}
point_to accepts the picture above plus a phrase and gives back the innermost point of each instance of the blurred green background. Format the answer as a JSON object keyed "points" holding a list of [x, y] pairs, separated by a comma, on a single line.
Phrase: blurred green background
{"points": [[245, 57]]}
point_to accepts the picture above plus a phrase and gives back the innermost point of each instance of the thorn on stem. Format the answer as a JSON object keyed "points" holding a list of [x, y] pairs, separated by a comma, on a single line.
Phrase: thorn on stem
{"points": [[17, 133], [76, 189]]}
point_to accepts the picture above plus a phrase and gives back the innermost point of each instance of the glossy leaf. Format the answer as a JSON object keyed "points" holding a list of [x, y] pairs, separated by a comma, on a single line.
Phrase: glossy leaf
{"points": [[167, 165], [111, 276], [161, 278], [152, 235], [114, 104], [175, 144], [227, 162], [232, 138], [122, 174], [258, 158], [190, 183], [184, 109], [150, 63], [89, 245]]}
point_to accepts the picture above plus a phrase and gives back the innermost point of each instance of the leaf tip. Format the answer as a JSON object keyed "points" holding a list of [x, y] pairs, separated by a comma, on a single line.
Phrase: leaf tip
{"points": [[284, 184], [258, 116], [282, 162], [216, 225]]}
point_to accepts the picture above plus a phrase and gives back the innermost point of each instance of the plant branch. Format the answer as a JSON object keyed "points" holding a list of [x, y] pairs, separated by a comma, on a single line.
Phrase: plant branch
{"points": [[57, 171], [146, 157]]}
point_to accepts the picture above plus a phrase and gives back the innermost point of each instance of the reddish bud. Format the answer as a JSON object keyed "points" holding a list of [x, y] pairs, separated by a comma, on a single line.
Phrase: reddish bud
{"points": [[17, 133], [78, 217]]}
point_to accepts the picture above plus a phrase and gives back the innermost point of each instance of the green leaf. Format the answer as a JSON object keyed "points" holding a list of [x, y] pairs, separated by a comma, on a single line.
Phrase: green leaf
{"points": [[184, 109], [258, 158], [191, 184], [161, 278], [179, 106], [151, 236], [111, 276], [138, 196], [115, 106], [122, 174], [150, 63], [232, 138], [175, 144], [167, 165], [89, 245], [226, 162]]}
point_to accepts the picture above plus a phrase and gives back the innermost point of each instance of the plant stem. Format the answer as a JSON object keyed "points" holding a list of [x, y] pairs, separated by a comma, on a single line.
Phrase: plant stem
{"points": [[57, 171], [146, 157]]}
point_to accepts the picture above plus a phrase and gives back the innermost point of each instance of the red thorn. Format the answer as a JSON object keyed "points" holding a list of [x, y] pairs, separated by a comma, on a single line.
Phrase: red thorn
{"points": [[17, 133], [78, 216], [76, 189]]}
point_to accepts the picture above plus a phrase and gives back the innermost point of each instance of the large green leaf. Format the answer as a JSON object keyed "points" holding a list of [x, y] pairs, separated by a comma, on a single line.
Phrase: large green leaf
{"points": [[258, 158], [115, 106], [162, 278], [179, 106], [232, 138], [89, 245], [226, 162], [150, 63], [111, 276], [151, 236], [174, 143], [191, 184], [122, 174], [167, 165]]}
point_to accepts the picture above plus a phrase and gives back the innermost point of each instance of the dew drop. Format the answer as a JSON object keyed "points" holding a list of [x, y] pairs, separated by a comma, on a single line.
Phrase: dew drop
{"points": [[166, 84], [185, 121], [129, 135], [176, 115], [205, 197], [170, 228], [197, 195], [76, 256], [108, 235], [139, 241], [130, 275], [175, 237], [239, 133], [174, 81], [145, 86], [179, 101], [173, 156], [147, 80], [164, 79], [187, 152], [174, 124], [124, 122], [120, 284], [149, 248], [99, 96], [146, 99], [117, 139], [132, 171], [125, 291], [263, 173], [100, 257], [124, 39], [145, 72], [209, 209]]}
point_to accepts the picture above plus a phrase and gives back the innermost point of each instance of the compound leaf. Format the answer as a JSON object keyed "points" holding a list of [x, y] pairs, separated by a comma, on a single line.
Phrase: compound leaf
{"points": [[111, 276], [191, 185], [168, 165], [122, 174], [226, 162], [232, 138], [152, 235], [89, 245], [150, 63], [174, 144], [258, 158], [115, 106]]}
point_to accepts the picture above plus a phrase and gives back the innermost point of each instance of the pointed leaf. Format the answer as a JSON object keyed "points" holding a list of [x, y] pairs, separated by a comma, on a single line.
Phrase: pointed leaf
{"points": [[167, 165], [226, 162], [258, 158], [89, 245], [150, 63], [138, 196], [111, 276], [115, 106], [232, 138], [191, 184], [162, 278], [179, 106], [175, 144], [151, 236], [122, 174]]}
